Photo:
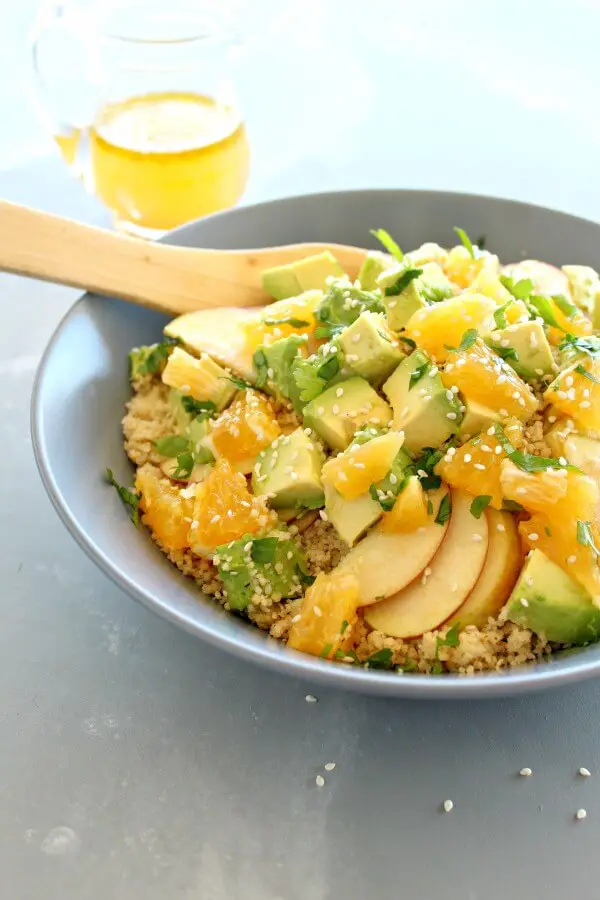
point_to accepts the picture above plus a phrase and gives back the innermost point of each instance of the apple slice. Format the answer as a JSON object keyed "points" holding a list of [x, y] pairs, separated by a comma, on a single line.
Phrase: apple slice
{"points": [[547, 280], [429, 601], [500, 572], [221, 334], [386, 563]]}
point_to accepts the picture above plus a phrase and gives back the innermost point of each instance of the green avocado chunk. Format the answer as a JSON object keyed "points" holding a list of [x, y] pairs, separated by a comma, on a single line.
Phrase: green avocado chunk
{"points": [[342, 304], [270, 567], [307, 274], [548, 601], [370, 348], [350, 518], [431, 286], [375, 262], [531, 355], [290, 471], [340, 411], [476, 418], [274, 365], [424, 409], [584, 283]]}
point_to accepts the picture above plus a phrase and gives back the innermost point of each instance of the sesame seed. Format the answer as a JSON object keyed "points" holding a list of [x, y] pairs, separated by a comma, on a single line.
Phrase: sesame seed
{"points": [[501, 379], [526, 772], [468, 457], [324, 515], [320, 781], [294, 620], [524, 601], [552, 419], [569, 380], [502, 412], [500, 526], [585, 773], [392, 304], [572, 559], [317, 611], [433, 370], [451, 415], [581, 814], [308, 431], [585, 404], [491, 431], [449, 395], [486, 449], [562, 460], [320, 410], [451, 451], [329, 767], [521, 490], [498, 451], [216, 518], [335, 409], [533, 536], [562, 395], [448, 806], [310, 698], [479, 466], [356, 338], [393, 478], [339, 392], [294, 476]]}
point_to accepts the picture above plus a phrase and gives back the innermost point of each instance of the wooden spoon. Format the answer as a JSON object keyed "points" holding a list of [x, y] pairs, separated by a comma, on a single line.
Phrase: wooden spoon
{"points": [[171, 279]]}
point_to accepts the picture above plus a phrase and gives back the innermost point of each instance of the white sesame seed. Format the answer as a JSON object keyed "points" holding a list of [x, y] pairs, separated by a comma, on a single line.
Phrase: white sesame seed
{"points": [[294, 620], [393, 478], [310, 698], [479, 466], [216, 518], [572, 559], [585, 773], [505, 342], [449, 395], [317, 611], [320, 410], [569, 380], [324, 515], [320, 781], [329, 767], [500, 526], [562, 395], [339, 392], [451, 415], [335, 409], [562, 460], [501, 379], [581, 814], [448, 805], [533, 536], [468, 457], [356, 338], [524, 601], [498, 451], [502, 412], [526, 772], [585, 404]]}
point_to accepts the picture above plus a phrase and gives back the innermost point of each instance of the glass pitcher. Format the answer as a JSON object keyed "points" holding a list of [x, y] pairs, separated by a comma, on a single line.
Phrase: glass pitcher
{"points": [[140, 98]]}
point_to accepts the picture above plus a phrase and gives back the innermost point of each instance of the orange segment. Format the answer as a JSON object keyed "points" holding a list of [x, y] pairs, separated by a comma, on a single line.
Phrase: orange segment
{"points": [[578, 325], [224, 510], [536, 491], [462, 269], [352, 473], [269, 326], [328, 612], [578, 396], [409, 512], [482, 376], [166, 510], [553, 526], [445, 323], [476, 467], [244, 429]]}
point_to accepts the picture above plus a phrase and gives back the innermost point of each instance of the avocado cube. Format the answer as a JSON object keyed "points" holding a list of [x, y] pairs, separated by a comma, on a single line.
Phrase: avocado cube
{"points": [[424, 409], [584, 283], [304, 275], [532, 357], [350, 518], [338, 413], [427, 253], [548, 601], [260, 569], [343, 303], [476, 418], [370, 348], [389, 487], [374, 263], [290, 471], [274, 364]]}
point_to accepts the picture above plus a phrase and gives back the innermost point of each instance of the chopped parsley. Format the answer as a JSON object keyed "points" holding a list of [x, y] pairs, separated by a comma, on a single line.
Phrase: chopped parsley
{"points": [[548, 531], [185, 464], [288, 320], [326, 650], [542, 307], [409, 666], [521, 290], [150, 360], [239, 383], [426, 462], [451, 640], [304, 576], [467, 341], [381, 659], [465, 240], [511, 506], [402, 282], [585, 536], [500, 317], [444, 511], [263, 550], [261, 367], [172, 445], [507, 353], [479, 504], [566, 307], [388, 242], [200, 409], [581, 371], [129, 498], [526, 461], [588, 345], [418, 373]]}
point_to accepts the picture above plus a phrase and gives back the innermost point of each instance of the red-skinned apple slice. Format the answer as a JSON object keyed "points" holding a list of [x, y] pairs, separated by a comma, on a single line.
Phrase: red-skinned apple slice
{"points": [[386, 563], [431, 599], [547, 280], [499, 575]]}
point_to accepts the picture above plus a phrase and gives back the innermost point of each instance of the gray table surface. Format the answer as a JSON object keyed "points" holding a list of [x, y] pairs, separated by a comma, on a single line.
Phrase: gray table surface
{"points": [[138, 762]]}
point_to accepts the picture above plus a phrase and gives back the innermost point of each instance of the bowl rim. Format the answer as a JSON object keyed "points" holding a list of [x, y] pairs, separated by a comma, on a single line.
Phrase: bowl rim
{"points": [[268, 653]]}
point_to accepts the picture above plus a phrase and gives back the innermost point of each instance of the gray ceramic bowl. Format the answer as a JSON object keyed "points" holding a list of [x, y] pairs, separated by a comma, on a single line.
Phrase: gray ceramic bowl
{"points": [[82, 385]]}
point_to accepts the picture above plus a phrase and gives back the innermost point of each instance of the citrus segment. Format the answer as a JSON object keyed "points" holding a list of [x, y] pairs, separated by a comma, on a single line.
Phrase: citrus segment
{"points": [[244, 429], [166, 510], [328, 612], [444, 324], [409, 512], [576, 393]]}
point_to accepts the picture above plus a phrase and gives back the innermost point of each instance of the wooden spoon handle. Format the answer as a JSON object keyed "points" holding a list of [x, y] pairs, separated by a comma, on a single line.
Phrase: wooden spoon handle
{"points": [[159, 276]]}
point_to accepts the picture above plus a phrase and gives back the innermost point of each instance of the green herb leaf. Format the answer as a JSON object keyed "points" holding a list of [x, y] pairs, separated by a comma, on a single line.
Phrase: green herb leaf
{"points": [[203, 455], [437, 668], [381, 659], [526, 461], [426, 462], [408, 341], [499, 317], [511, 506], [585, 536], [451, 639], [326, 651], [430, 505], [129, 498], [385, 502], [581, 371], [172, 445], [156, 358], [240, 384], [479, 504], [304, 576], [261, 367], [288, 320], [548, 531], [506, 353], [263, 550], [185, 464], [520, 290], [590, 346], [468, 339], [566, 307], [417, 374], [329, 369], [444, 511], [409, 666], [388, 242], [201, 409], [344, 625], [314, 503], [402, 282], [542, 307], [466, 240]]}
